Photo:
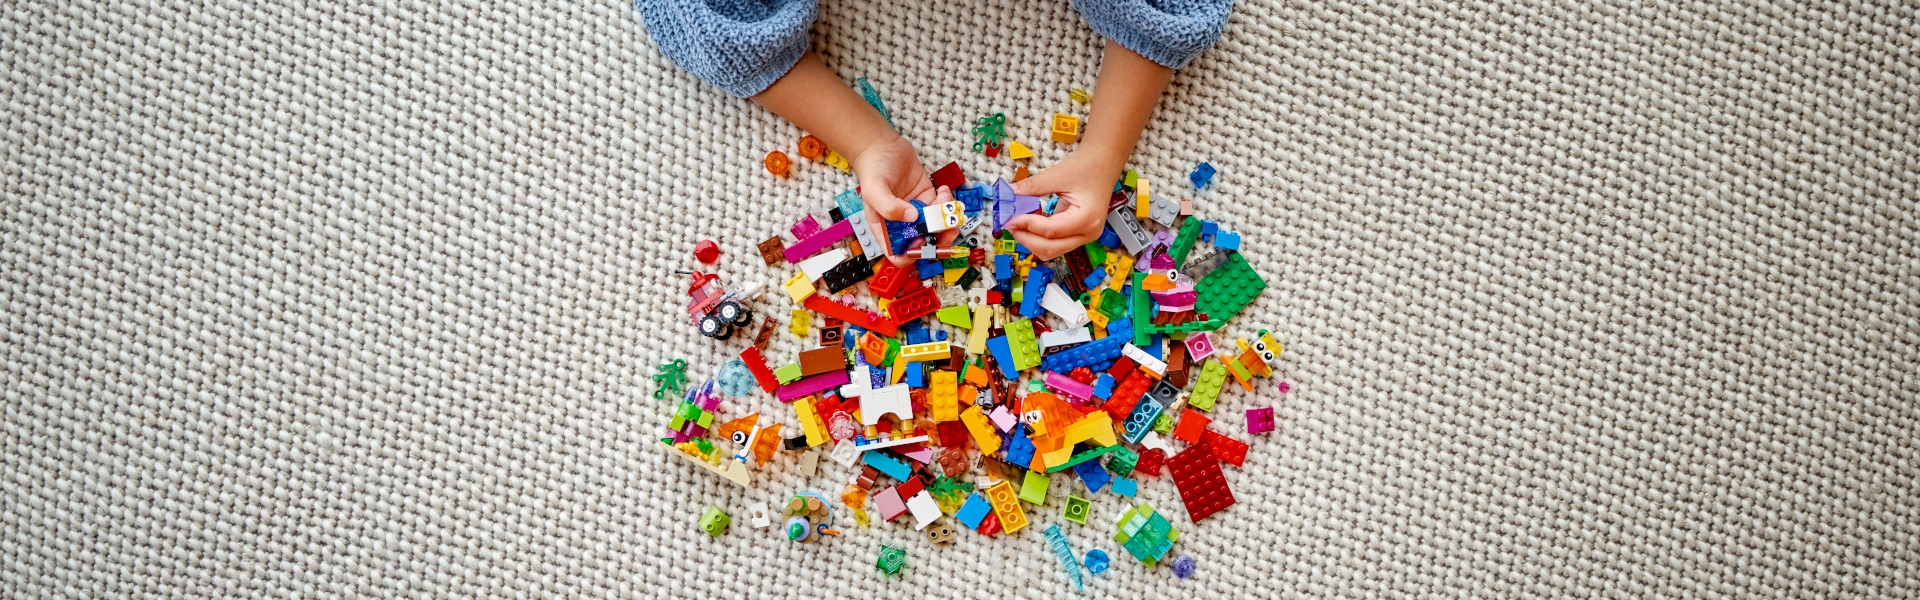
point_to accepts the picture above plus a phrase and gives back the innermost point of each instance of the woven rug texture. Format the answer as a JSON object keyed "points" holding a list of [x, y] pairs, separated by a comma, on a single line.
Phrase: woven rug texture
{"points": [[363, 299]]}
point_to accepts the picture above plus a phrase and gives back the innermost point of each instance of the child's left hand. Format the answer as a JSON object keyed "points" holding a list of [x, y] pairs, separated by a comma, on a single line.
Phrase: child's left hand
{"points": [[1084, 188]]}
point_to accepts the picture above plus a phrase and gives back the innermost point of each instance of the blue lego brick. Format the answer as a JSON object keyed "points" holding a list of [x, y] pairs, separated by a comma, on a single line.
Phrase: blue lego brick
{"points": [[1110, 239], [1002, 267], [1207, 230], [1096, 355], [1201, 176], [1103, 387], [1093, 474], [929, 269], [1154, 348], [1095, 278], [1003, 356], [1126, 487], [1228, 241], [1020, 449], [915, 334], [1140, 421], [892, 467], [970, 197], [1037, 280], [974, 511], [1120, 328], [916, 375]]}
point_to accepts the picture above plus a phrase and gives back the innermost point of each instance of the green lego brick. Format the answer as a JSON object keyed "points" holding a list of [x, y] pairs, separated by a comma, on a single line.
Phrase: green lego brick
{"points": [[1082, 457], [787, 373], [1142, 317], [1113, 304], [714, 521], [1034, 488], [1096, 254], [1229, 288], [1023, 343], [1077, 509], [1183, 245], [1213, 376], [1164, 424], [1122, 461], [957, 316]]}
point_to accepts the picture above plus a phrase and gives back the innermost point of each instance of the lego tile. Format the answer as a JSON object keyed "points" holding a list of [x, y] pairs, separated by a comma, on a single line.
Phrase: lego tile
{"points": [[890, 503], [975, 510], [821, 360], [1229, 288], [1126, 487]]}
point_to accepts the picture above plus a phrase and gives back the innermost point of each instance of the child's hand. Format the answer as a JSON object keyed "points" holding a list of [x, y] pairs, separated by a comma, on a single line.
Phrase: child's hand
{"points": [[890, 175], [1084, 187]]}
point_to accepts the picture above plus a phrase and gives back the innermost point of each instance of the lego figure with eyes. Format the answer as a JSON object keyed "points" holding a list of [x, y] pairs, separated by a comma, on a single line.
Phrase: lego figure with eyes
{"points": [[758, 49]]}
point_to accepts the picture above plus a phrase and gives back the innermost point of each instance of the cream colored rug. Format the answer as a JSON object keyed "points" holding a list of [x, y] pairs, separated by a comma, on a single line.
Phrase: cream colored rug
{"points": [[362, 299]]}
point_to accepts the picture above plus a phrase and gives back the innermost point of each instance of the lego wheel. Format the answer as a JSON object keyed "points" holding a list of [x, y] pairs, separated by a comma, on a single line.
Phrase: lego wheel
{"points": [[713, 327], [733, 312]]}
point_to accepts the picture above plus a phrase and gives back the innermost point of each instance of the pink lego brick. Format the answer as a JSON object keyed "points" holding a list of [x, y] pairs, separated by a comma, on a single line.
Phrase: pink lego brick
{"points": [[812, 385], [1066, 386], [802, 249]]}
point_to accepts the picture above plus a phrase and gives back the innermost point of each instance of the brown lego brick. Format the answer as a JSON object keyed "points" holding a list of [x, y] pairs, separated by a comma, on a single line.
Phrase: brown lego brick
{"points": [[822, 360]]}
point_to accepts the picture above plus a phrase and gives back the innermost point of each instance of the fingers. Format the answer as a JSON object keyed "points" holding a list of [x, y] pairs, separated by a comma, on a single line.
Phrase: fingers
{"points": [[1079, 217], [1044, 248]]}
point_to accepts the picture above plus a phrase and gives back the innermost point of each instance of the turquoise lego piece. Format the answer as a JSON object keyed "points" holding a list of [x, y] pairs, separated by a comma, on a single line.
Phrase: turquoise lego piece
{"points": [[892, 467], [1125, 487]]}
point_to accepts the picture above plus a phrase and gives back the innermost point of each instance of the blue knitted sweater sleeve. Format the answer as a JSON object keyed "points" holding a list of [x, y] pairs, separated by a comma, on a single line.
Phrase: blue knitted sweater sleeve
{"points": [[740, 46], [1169, 32]]}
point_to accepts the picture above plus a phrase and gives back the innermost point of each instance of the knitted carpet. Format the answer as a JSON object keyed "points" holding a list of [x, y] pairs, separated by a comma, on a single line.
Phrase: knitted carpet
{"points": [[363, 299]]}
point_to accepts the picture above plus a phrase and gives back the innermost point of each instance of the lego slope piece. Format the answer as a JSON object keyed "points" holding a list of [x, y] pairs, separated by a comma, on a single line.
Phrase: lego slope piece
{"points": [[1203, 487], [1229, 288]]}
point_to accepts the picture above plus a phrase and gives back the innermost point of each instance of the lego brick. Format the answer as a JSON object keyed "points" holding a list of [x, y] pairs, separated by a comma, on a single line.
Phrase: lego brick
{"points": [[1227, 241], [890, 280], [815, 243], [1213, 378], [942, 216], [787, 373], [1164, 209], [913, 305], [1228, 450], [799, 288], [1077, 509], [1024, 347], [1150, 462], [870, 247], [957, 316], [773, 250], [1020, 449], [1097, 355], [1192, 424], [1132, 235], [1034, 488], [1093, 475], [1145, 360], [983, 434], [849, 272], [1183, 243], [857, 317], [1065, 130], [975, 510], [1199, 346], [925, 510], [890, 504], [810, 422], [1068, 387], [1067, 338], [714, 522], [1003, 356], [1006, 506], [894, 400], [949, 176], [926, 352], [1122, 461], [816, 267], [1201, 176], [1202, 485], [1016, 151], [887, 464], [1070, 311], [1260, 420], [943, 401], [758, 365], [1141, 419], [821, 360], [1038, 278], [811, 385]]}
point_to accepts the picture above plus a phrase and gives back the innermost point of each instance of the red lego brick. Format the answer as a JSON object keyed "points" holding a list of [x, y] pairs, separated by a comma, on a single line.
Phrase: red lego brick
{"points": [[953, 434], [911, 486], [913, 305], [1225, 448], [758, 365], [990, 525], [1122, 367], [872, 322], [1149, 463], [1192, 425], [949, 176], [889, 281], [1203, 487], [1127, 394]]}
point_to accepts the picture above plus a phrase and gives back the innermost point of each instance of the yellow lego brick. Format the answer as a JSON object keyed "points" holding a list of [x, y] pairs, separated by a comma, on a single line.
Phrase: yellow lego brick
{"points": [[799, 287], [943, 395], [1141, 200], [802, 322], [1066, 128], [839, 162], [977, 339], [982, 430], [810, 422], [1006, 504], [1119, 270], [1096, 427], [926, 352]]}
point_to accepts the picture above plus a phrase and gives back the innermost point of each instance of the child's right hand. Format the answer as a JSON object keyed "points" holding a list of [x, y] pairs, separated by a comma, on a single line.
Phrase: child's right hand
{"points": [[890, 175]]}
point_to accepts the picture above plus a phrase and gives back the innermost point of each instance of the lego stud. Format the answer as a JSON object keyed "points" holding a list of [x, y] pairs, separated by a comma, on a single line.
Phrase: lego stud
{"points": [[778, 163], [706, 252], [1183, 566]]}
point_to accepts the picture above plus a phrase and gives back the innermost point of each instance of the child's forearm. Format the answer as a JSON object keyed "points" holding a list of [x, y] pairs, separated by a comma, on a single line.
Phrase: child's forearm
{"points": [[1123, 99], [815, 99]]}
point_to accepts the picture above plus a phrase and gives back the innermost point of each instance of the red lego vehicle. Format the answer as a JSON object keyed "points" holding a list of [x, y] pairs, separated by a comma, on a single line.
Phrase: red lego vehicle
{"points": [[717, 309]]}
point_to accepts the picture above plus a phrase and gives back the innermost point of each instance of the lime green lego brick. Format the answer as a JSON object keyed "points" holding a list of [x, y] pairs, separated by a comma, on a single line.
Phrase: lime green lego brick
{"points": [[957, 316], [1004, 246], [1239, 371], [1164, 424], [705, 420], [1077, 509], [1132, 179], [1023, 343], [1034, 488], [787, 373], [1229, 288], [1183, 245], [1213, 377]]}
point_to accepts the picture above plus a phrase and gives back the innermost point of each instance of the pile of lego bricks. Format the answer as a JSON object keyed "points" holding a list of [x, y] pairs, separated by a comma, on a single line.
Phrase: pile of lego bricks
{"points": [[1084, 365]]}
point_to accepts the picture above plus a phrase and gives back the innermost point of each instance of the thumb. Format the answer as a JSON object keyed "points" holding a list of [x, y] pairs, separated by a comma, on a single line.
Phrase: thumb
{"points": [[1039, 185], [879, 196]]}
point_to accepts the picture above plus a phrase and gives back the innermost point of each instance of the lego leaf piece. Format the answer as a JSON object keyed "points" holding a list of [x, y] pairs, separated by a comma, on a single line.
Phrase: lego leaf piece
{"points": [[1203, 487]]}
